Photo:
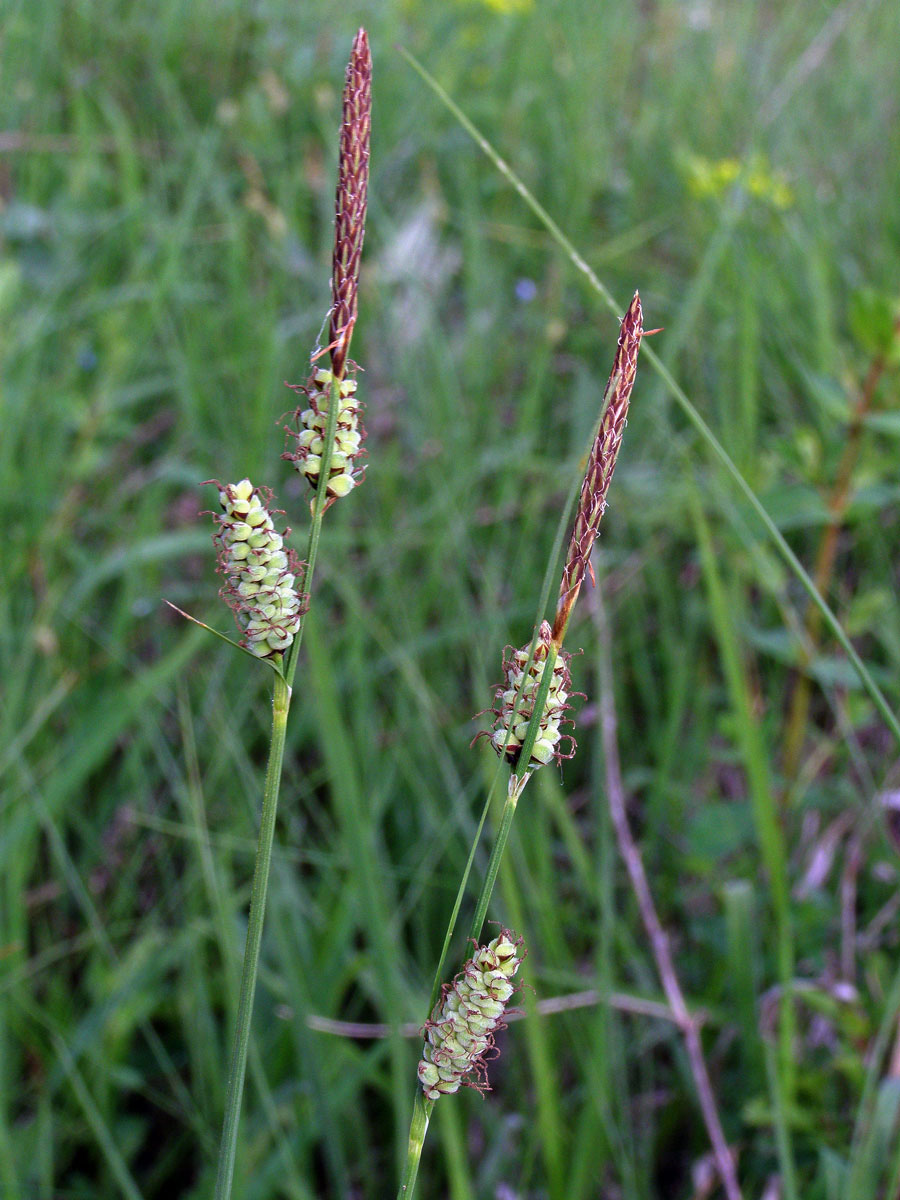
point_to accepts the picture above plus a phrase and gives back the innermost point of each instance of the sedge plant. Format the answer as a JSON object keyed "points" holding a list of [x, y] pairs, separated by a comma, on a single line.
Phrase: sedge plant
{"points": [[265, 585], [529, 730], [825, 618]]}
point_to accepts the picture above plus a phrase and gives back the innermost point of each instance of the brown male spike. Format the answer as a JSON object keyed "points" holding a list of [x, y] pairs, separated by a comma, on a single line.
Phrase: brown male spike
{"points": [[350, 200], [515, 696], [601, 464]]}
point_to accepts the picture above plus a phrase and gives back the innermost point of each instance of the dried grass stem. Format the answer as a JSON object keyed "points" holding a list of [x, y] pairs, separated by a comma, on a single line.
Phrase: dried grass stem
{"points": [[687, 1021]]}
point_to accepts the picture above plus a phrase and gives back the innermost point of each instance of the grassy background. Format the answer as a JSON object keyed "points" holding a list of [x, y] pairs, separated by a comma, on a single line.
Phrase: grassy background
{"points": [[167, 174]]}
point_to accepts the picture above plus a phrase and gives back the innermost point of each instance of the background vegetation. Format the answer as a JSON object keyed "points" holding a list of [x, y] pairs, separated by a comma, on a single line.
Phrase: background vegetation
{"points": [[167, 175]]}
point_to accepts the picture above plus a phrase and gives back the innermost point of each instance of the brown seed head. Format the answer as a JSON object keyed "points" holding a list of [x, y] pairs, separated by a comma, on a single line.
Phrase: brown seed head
{"points": [[601, 465], [350, 200]]}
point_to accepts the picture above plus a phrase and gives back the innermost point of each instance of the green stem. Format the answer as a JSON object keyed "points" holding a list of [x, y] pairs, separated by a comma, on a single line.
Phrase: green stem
{"points": [[516, 787], [421, 1106], [514, 791], [418, 1127], [549, 576], [769, 833], [280, 707]]}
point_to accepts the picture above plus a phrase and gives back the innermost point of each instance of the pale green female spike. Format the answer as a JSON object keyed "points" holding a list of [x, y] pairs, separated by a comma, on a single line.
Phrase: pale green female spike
{"points": [[461, 1030], [514, 705], [309, 437], [260, 575]]}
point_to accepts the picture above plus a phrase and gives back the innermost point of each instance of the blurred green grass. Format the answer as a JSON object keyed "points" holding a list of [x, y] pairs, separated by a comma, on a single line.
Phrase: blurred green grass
{"points": [[166, 175]]}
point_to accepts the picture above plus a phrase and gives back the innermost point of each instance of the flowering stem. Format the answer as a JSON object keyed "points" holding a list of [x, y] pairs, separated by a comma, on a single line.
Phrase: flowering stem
{"points": [[546, 648], [516, 787], [422, 1106], [514, 791], [280, 706], [281, 703]]}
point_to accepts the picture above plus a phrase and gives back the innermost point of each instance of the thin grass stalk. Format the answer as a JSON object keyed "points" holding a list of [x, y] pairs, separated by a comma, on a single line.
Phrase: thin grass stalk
{"points": [[546, 587], [60, 853], [349, 233], [601, 464], [681, 398], [780, 1122], [515, 789], [762, 802], [875, 1075], [215, 899], [118, 1168], [422, 1106], [281, 702], [225, 1172], [418, 1130], [838, 501], [543, 601]]}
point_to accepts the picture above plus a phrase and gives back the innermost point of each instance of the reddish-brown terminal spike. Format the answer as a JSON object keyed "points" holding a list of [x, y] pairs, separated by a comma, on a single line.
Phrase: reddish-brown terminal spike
{"points": [[601, 464], [350, 200]]}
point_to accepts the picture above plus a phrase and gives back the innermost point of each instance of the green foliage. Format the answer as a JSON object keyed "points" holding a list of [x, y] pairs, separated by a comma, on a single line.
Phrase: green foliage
{"points": [[167, 178]]}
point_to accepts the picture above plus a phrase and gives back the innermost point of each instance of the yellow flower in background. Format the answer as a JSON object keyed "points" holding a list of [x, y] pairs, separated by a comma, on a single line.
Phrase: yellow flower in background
{"points": [[502, 7], [715, 177], [509, 6], [764, 183]]}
